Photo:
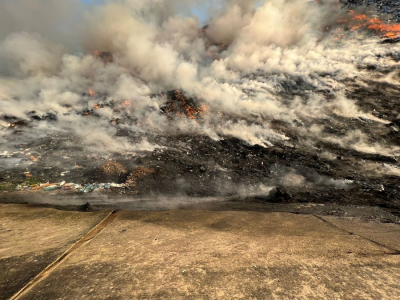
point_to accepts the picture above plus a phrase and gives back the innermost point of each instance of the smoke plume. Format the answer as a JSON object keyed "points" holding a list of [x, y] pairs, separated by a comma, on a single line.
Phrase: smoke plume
{"points": [[255, 63]]}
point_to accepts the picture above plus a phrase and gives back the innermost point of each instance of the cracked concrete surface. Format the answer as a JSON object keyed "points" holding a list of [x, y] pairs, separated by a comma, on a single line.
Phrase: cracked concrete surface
{"points": [[33, 237], [199, 254]]}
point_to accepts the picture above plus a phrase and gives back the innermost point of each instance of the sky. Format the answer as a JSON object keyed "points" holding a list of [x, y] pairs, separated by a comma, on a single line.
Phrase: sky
{"points": [[93, 1], [200, 12]]}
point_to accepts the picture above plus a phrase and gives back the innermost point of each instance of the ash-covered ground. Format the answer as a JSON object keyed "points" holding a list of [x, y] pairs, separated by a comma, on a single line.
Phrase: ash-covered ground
{"points": [[280, 102]]}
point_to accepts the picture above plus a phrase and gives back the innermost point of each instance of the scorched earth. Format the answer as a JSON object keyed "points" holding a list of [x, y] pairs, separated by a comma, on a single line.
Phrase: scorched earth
{"points": [[283, 101]]}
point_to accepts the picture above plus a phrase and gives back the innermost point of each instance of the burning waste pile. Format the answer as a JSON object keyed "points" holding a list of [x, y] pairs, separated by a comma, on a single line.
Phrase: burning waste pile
{"points": [[390, 8], [270, 100]]}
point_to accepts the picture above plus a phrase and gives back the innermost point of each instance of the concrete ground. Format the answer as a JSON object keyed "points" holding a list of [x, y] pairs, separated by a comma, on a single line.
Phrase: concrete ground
{"points": [[194, 254]]}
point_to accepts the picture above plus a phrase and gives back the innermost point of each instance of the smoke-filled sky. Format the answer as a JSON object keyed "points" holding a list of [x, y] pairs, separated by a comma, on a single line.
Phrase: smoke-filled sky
{"points": [[199, 10], [255, 62]]}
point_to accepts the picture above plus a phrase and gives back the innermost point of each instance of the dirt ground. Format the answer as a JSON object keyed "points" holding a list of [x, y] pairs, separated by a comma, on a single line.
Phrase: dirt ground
{"points": [[195, 254]]}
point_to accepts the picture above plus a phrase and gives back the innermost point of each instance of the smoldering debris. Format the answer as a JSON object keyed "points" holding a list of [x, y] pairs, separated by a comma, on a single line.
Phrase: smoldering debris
{"points": [[390, 8], [141, 98]]}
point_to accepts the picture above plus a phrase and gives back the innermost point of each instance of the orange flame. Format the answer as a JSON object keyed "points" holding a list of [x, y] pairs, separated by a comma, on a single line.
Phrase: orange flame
{"points": [[34, 158], [386, 30], [126, 103], [191, 112], [92, 93], [203, 108]]}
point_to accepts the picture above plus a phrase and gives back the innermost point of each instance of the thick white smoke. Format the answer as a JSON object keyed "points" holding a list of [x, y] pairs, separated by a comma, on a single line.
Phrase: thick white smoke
{"points": [[241, 67]]}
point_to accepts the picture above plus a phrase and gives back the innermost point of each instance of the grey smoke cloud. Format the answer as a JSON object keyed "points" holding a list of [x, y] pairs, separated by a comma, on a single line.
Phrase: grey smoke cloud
{"points": [[59, 20], [239, 65]]}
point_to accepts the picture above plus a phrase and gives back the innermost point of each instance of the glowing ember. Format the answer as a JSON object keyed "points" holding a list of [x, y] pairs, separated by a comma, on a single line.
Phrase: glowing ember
{"points": [[191, 112], [92, 93], [105, 56], [180, 105], [203, 108], [34, 159]]}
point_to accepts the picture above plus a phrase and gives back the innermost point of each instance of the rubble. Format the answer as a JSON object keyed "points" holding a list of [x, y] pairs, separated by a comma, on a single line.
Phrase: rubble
{"points": [[178, 104], [111, 171], [138, 174], [113, 168], [276, 195], [391, 41], [109, 168], [219, 164], [67, 187]]}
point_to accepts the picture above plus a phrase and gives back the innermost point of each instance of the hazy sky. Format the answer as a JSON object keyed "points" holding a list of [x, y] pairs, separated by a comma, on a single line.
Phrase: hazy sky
{"points": [[200, 12], [92, 1]]}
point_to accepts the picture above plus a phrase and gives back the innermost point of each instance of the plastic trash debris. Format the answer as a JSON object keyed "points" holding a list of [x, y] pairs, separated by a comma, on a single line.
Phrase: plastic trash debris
{"points": [[116, 185], [51, 187], [88, 188], [69, 186]]}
